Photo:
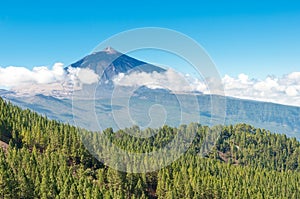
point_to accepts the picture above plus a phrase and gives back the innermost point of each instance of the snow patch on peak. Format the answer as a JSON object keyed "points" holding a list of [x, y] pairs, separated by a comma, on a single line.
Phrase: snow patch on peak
{"points": [[110, 50]]}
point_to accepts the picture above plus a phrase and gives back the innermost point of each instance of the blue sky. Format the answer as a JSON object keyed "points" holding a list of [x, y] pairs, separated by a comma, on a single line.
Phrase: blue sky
{"points": [[258, 38]]}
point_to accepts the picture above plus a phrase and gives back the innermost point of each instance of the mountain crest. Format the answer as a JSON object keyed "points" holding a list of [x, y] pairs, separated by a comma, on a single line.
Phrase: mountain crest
{"points": [[110, 50]]}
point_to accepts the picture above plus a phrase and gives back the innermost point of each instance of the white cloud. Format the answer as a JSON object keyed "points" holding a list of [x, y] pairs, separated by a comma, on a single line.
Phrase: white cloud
{"points": [[44, 80], [83, 75], [291, 91], [294, 76], [15, 76], [170, 80], [282, 90], [58, 81]]}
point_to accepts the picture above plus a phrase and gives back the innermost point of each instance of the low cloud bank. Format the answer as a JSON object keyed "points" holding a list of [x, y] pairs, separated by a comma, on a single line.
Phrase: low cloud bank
{"points": [[170, 80], [282, 90], [57, 81], [42, 80]]}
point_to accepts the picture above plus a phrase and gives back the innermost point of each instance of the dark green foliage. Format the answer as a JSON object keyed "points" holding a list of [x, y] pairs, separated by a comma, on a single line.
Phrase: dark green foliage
{"points": [[46, 159]]}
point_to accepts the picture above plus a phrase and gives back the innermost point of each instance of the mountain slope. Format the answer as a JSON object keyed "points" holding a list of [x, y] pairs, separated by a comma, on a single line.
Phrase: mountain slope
{"points": [[46, 159]]}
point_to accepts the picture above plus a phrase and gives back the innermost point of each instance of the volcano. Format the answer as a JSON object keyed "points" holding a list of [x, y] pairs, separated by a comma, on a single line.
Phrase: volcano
{"points": [[109, 63]]}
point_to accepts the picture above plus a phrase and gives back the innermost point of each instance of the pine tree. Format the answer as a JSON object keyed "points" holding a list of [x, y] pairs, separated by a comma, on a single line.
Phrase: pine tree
{"points": [[8, 183]]}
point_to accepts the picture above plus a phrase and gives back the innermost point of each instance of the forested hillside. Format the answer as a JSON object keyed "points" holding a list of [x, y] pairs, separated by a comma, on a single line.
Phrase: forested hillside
{"points": [[46, 159]]}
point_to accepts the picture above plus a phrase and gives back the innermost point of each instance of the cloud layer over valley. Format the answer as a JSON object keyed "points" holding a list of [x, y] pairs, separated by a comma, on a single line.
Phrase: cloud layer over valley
{"points": [[282, 90], [170, 80], [57, 81], [41, 80]]}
